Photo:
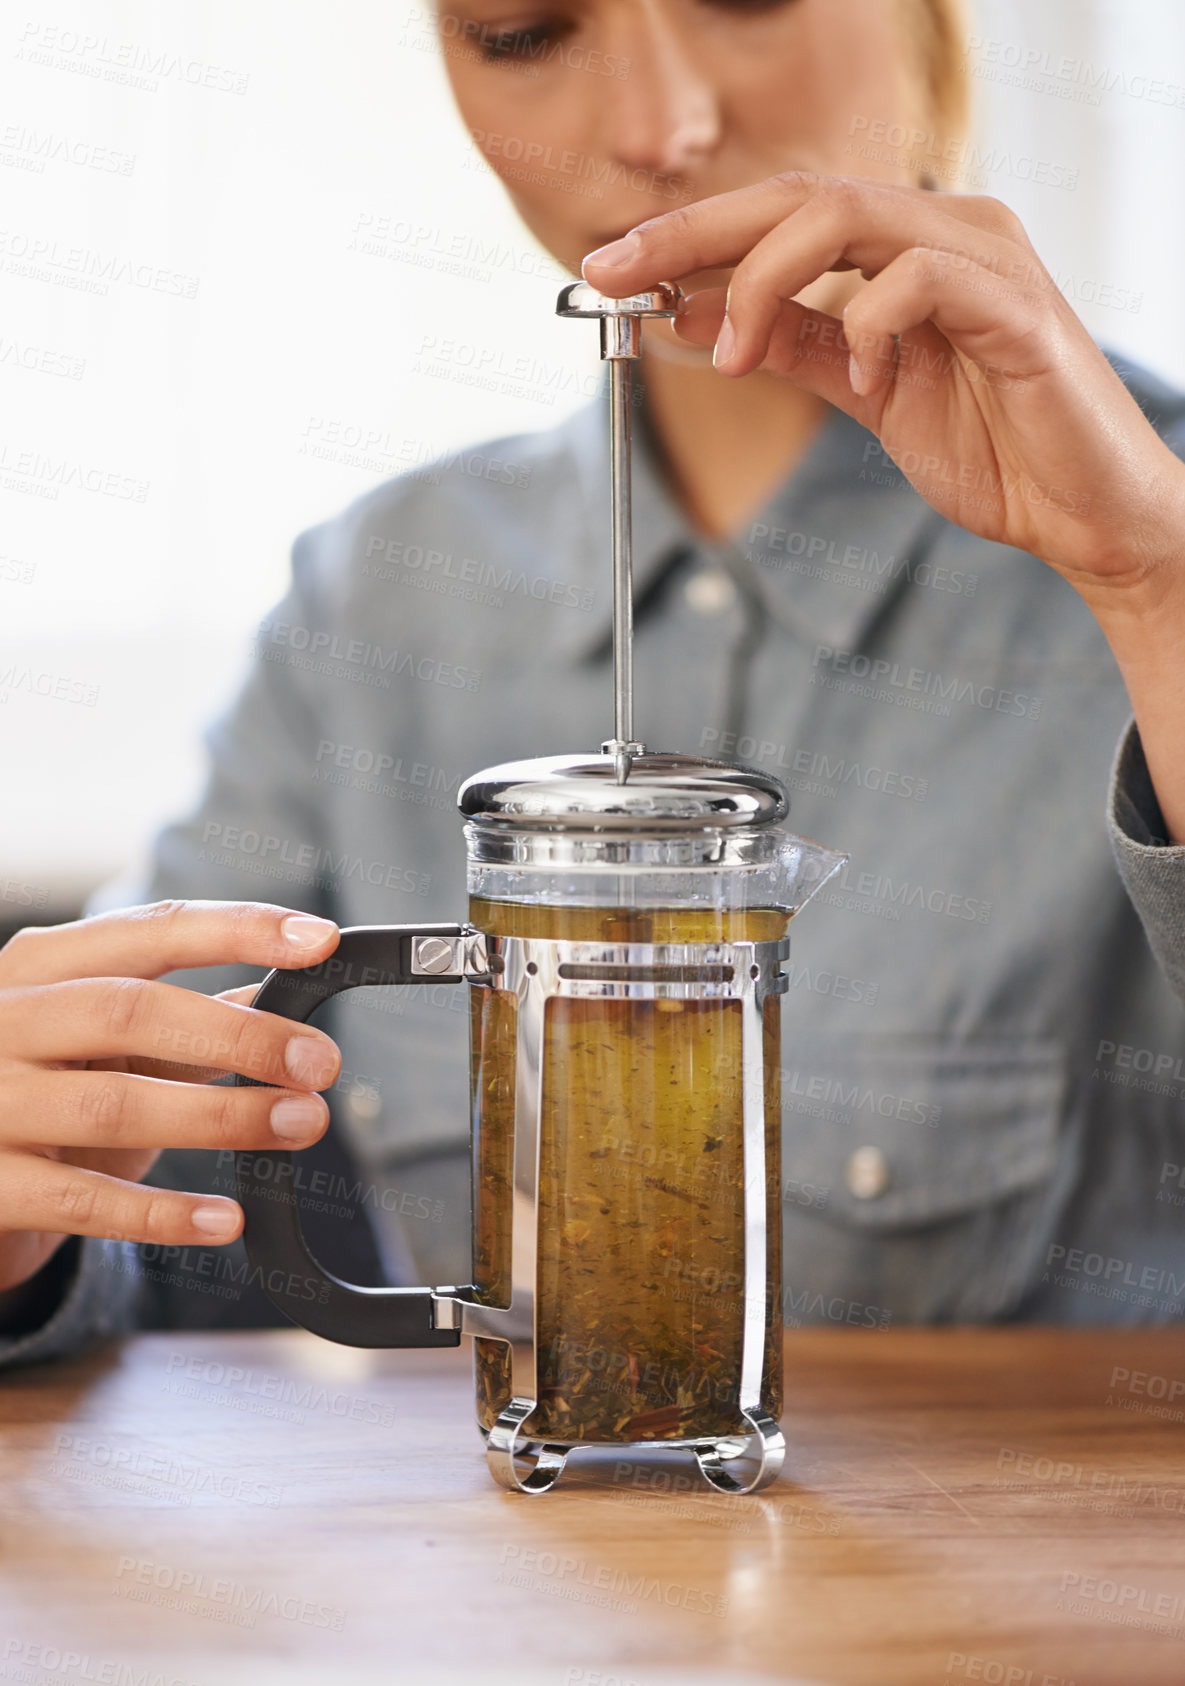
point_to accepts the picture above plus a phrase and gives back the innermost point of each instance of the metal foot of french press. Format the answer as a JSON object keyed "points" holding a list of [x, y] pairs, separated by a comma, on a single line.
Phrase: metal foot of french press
{"points": [[766, 1443], [503, 1447]]}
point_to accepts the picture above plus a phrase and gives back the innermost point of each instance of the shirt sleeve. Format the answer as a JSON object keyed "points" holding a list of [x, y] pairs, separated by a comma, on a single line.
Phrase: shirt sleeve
{"points": [[1152, 868], [94, 1298]]}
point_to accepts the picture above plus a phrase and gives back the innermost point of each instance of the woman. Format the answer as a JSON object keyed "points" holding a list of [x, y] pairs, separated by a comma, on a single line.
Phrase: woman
{"points": [[902, 535]]}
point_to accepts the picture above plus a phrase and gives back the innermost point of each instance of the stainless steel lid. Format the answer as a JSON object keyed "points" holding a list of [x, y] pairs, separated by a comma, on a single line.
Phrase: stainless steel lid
{"points": [[661, 793]]}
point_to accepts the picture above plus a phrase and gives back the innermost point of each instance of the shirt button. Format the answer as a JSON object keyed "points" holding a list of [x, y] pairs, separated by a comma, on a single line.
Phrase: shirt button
{"points": [[710, 591], [867, 1173]]}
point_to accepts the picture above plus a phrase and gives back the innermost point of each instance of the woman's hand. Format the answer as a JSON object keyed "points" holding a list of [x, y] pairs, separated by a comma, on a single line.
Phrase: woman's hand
{"points": [[960, 354], [101, 1068]]}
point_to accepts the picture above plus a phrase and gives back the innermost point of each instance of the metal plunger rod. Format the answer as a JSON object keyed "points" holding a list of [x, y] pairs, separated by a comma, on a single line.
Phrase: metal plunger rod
{"points": [[620, 394], [621, 344]]}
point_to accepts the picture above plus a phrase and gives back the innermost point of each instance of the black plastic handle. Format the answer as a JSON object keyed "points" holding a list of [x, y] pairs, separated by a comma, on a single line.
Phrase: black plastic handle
{"points": [[367, 955]]}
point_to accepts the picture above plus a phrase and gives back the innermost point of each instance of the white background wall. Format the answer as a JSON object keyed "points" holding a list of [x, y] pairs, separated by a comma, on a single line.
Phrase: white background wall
{"points": [[260, 196]]}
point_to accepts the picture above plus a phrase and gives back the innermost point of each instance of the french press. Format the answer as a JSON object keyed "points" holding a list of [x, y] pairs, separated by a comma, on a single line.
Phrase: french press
{"points": [[628, 917]]}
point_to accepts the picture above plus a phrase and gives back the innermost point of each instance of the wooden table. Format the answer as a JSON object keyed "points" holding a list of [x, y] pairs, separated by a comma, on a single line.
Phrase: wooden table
{"points": [[1000, 1506]]}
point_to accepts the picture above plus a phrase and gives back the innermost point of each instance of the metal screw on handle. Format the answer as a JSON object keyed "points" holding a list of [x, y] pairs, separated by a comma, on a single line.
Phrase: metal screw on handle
{"points": [[433, 954], [621, 343]]}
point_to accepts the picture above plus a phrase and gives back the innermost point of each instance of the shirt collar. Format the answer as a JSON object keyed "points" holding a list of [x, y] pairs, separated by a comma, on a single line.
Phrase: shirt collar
{"points": [[824, 555]]}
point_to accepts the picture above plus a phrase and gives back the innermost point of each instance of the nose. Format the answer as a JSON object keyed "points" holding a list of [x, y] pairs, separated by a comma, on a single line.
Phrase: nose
{"points": [[664, 115]]}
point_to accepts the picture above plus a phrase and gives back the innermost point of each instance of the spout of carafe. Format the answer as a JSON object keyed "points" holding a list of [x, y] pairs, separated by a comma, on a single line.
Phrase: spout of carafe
{"points": [[805, 866]]}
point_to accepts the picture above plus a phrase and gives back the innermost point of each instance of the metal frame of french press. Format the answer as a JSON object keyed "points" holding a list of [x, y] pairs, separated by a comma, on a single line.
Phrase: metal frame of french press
{"points": [[535, 971]]}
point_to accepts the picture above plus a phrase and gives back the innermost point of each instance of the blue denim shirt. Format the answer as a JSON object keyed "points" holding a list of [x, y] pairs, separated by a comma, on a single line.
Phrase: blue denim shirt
{"points": [[984, 1035]]}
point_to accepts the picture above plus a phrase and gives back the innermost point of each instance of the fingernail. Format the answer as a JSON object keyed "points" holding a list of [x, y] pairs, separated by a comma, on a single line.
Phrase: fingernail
{"points": [[302, 930], [295, 1119], [616, 253], [308, 1062], [725, 344], [218, 1222], [859, 380]]}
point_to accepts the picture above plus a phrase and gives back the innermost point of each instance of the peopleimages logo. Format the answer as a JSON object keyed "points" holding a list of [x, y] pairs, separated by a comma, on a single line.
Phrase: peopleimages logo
{"points": [[878, 894], [502, 578], [228, 845], [1124, 1599], [817, 556], [87, 269], [1063, 74], [814, 764], [138, 1578], [356, 658], [947, 478], [856, 1097], [964, 157], [889, 680], [56, 473], [129, 63], [580, 1573]]}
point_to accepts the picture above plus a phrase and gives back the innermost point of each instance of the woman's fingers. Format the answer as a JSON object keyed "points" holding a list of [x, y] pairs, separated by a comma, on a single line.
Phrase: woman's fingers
{"points": [[784, 233], [844, 226], [878, 219], [38, 1194], [986, 318], [145, 942], [900, 331], [806, 346], [179, 1071], [114, 1110], [97, 1018], [709, 234]]}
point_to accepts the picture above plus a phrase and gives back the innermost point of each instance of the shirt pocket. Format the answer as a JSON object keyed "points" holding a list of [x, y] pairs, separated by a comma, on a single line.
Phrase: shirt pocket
{"points": [[915, 1174]]}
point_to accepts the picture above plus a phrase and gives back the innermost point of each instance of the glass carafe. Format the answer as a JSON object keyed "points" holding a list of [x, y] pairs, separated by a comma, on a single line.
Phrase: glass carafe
{"points": [[625, 943]]}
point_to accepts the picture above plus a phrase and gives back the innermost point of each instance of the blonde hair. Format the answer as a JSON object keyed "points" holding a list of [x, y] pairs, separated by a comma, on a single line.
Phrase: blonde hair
{"points": [[935, 34]]}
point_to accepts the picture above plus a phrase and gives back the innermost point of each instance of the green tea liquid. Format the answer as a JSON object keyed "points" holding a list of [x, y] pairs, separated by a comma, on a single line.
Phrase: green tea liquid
{"points": [[641, 1190]]}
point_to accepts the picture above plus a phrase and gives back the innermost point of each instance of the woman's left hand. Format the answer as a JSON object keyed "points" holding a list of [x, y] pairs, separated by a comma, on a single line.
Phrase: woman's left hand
{"points": [[960, 354]]}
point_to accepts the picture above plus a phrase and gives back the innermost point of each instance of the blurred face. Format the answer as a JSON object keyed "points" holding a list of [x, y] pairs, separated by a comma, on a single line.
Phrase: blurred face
{"points": [[597, 114]]}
